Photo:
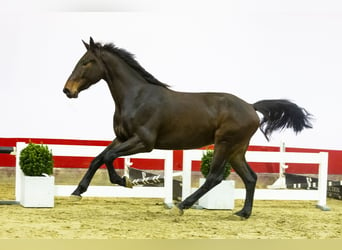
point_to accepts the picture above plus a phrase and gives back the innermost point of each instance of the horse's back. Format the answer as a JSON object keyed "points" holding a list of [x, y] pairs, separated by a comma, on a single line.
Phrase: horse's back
{"points": [[192, 120], [216, 106]]}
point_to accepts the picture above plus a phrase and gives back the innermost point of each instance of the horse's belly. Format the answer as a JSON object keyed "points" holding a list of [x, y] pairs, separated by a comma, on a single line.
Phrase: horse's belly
{"points": [[184, 140]]}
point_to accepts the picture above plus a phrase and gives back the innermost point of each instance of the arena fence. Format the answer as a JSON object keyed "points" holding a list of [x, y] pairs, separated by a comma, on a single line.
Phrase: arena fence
{"points": [[166, 191], [319, 195]]}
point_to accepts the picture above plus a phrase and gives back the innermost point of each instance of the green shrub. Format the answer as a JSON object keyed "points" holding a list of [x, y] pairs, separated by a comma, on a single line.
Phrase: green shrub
{"points": [[206, 160], [36, 160]]}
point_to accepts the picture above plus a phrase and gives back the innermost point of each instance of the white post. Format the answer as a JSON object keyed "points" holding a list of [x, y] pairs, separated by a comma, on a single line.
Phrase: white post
{"points": [[282, 163], [18, 172], [168, 178], [186, 178], [322, 181], [188, 157], [280, 183], [127, 164]]}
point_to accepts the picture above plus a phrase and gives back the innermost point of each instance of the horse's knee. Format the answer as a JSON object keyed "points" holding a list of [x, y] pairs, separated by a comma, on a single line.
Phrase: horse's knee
{"points": [[109, 158]]}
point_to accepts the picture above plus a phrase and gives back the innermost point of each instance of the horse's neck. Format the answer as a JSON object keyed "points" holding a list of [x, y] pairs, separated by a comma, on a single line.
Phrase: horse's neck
{"points": [[123, 82]]}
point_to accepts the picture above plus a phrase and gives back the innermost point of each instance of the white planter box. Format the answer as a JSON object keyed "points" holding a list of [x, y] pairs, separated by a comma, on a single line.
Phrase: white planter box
{"points": [[37, 191], [220, 197]]}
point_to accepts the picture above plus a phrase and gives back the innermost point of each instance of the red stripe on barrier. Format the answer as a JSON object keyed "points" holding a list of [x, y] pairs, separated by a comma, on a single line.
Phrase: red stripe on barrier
{"points": [[335, 157]]}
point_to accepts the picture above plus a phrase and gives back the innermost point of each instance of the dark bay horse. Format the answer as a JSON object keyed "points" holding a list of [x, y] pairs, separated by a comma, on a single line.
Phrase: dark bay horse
{"points": [[148, 115]]}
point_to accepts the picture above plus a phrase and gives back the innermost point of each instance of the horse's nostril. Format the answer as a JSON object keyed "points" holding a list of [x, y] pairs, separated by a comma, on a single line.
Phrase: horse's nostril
{"points": [[66, 91], [69, 93]]}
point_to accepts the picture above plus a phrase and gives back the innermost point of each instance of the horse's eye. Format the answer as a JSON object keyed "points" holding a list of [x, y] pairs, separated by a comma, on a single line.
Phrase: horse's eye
{"points": [[85, 63]]}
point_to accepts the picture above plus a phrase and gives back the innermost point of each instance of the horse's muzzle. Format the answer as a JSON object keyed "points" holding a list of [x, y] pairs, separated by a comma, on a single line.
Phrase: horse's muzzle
{"points": [[70, 94]]}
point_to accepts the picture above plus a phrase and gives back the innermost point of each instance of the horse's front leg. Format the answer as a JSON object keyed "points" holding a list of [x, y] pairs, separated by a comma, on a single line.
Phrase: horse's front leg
{"points": [[133, 145], [94, 166]]}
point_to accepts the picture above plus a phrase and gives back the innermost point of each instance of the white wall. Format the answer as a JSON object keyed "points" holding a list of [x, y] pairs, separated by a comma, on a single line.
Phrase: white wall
{"points": [[254, 49]]}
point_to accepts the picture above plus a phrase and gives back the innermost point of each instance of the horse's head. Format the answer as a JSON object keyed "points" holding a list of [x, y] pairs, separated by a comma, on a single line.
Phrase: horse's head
{"points": [[88, 70]]}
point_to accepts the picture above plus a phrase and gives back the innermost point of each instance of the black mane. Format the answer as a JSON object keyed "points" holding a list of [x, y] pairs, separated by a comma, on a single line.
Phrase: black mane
{"points": [[130, 60]]}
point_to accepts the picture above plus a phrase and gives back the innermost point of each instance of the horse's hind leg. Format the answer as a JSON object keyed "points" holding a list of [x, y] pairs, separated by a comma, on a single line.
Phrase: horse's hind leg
{"points": [[249, 178], [214, 177]]}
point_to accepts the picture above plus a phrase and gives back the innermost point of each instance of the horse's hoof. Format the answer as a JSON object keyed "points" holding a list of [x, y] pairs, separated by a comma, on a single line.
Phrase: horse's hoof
{"points": [[75, 198], [128, 183], [176, 211], [242, 215], [235, 217]]}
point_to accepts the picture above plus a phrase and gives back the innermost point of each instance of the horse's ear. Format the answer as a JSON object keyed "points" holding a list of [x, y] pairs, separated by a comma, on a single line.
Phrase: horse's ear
{"points": [[86, 45], [92, 44]]}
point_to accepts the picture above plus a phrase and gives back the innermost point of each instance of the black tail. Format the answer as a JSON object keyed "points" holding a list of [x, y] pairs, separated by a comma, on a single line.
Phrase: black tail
{"points": [[280, 114]]}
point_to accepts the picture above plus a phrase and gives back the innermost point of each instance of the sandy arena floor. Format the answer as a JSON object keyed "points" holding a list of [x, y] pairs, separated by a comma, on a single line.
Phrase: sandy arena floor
{"points": [[119, 218]]}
